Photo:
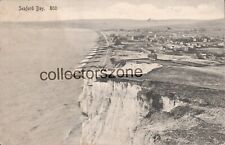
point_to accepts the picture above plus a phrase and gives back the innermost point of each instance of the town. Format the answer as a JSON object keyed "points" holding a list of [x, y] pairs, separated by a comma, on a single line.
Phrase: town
{"points": [[187, 47]]}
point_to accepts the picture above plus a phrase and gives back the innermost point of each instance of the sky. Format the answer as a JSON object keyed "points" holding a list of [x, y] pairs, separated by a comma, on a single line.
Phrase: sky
{"points": [[113, 9]]}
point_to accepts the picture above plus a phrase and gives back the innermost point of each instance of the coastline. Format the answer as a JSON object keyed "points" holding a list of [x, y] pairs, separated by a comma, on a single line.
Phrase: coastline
{"points": [[173, 96]]}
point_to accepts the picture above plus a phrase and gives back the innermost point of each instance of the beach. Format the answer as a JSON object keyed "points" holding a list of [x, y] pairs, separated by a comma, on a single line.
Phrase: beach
{"points": [[32, 111]]}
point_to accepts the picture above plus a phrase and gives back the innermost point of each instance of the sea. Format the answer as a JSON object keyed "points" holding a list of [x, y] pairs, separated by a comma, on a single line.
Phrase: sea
{"points": [[33, 111]]}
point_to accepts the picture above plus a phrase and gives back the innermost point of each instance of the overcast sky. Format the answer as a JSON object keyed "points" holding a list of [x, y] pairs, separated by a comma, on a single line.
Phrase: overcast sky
{"points": [[101, 9]]}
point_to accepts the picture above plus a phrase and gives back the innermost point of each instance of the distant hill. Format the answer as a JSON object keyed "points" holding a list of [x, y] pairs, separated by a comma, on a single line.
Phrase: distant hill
{"points": [[121, 23]]}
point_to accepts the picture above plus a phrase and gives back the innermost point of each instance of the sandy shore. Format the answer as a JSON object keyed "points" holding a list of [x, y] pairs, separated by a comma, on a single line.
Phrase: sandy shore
{"points": [[35, 112]]}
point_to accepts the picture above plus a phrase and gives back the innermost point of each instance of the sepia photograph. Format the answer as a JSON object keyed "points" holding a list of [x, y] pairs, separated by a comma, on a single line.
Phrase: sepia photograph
{"points": [[112, 72]]}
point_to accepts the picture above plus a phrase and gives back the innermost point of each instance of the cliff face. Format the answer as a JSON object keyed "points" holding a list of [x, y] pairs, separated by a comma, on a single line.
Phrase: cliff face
{"points": [[112, 113], [125, 112], [116, 113]]}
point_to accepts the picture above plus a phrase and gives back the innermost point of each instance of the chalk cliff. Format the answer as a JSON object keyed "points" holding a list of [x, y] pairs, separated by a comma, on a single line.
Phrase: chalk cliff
{"points": [[116, 112], [126, 112]]}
